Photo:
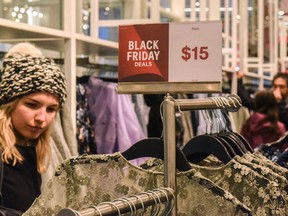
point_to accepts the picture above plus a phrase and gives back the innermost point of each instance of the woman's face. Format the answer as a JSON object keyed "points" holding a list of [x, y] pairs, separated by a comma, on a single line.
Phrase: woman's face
{"points": [[34, 113]]}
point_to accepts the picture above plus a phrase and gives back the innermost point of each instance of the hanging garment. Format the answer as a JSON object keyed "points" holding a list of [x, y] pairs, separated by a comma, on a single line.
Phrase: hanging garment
{"points": [[262, 160], [63, 142], [283, 159], [91, 179], [85, 128], [155, 123], [141, 110], [186, 122], [262, 196], [265, 171], [116, 126], [239, 118]]}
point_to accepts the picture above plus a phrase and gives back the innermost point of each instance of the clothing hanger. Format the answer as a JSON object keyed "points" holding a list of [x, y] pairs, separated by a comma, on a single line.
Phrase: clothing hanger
{"points": [[201, 146], [125, 200], [142, 204], [242, 144], [233, 142], [167, 199], [230, 142], [245, 144], [154, 147]]}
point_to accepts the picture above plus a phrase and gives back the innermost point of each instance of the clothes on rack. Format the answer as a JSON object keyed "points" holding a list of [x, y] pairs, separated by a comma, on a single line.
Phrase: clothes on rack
{"points": [[249, 184], [107, 121], [276, 151], [283, 159], [85, 127], [91, 179], [155, 124], [63, 142], [238, 118], [142, 111], [116, 126], [256, 186], [184, 124]]}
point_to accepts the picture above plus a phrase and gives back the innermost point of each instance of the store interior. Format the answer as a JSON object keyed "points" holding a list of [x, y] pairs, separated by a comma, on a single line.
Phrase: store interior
{"points": [[82, 37]]}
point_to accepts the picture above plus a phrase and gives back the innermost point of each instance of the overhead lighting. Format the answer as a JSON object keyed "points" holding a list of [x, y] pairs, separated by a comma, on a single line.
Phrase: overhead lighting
{"points": [[85, 18], [85, 26], [22, 10], [281, 13], [34, 13]]}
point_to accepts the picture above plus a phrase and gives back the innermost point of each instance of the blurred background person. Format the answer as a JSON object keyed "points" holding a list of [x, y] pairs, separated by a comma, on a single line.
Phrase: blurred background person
{"points": [[280, 91], [263, 125]]}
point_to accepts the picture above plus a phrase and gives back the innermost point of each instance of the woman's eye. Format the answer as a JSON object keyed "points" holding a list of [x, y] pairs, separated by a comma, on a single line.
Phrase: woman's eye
{"points": [[52, 109], [32, 105]]}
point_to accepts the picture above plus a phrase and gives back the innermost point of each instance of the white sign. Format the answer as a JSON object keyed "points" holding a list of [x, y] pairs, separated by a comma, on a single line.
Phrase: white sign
{"points": [[195, 52]]}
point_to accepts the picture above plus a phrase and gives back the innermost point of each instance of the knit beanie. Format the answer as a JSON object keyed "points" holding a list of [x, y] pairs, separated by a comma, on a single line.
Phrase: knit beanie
{"points": [[25, 70]]}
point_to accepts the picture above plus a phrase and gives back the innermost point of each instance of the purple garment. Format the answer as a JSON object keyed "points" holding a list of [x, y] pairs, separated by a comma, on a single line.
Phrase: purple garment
{"points": [[257, 134], [116, 125]]}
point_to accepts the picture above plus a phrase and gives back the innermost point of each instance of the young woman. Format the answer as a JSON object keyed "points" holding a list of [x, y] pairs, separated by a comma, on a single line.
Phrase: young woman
{"points": [[263, 125], [32, 89]]}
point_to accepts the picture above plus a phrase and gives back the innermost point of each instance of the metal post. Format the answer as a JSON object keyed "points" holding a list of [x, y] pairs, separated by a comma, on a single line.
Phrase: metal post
{"points": [[170, 147]]}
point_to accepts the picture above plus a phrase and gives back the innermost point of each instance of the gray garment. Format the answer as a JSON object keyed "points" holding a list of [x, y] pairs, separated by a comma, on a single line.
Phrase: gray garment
{"points": [[63, 142]]}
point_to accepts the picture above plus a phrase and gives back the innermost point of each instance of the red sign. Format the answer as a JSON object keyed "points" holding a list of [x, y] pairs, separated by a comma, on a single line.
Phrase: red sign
{"points": [[143, 53]]}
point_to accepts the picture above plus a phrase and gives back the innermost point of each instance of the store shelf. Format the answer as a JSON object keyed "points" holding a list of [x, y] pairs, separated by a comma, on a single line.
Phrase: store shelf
{"points": [[53, 39], [13, 32], [90, 46]]}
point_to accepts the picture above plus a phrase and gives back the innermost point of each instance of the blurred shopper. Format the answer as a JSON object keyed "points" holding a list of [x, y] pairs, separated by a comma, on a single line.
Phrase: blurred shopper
{"points": [[263, 125], [280, 91]]}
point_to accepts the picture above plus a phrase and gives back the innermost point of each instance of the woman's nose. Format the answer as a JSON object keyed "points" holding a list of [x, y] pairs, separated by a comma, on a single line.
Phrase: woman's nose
{"points": [[40, 116]]}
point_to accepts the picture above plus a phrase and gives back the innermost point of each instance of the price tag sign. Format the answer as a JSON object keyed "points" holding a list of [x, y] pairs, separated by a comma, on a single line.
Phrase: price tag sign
{"points": [[171, 57], [195, 52]]}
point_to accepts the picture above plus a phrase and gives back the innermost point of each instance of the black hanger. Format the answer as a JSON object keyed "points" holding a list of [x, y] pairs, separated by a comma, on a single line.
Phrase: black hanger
{"points": [[199, 147], [245, 143], [228, 142], [154, 147], [233, 142], [240, 140]]}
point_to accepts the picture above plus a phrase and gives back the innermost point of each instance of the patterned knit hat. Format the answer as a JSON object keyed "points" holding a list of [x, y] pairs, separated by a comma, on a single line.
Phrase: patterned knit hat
{"points": [[26, 71]]}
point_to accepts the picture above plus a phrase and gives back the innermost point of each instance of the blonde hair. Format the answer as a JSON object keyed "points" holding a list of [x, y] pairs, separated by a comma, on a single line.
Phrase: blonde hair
{"points": [[8, 141]]}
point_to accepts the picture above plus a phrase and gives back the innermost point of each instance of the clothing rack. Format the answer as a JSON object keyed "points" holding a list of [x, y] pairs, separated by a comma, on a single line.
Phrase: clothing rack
{"points": [[232, 103], [123, 205]]}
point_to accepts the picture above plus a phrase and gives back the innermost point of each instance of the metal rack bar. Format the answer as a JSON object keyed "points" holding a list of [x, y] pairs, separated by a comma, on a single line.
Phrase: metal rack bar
{"points": [[232, 103], [123, 205]]}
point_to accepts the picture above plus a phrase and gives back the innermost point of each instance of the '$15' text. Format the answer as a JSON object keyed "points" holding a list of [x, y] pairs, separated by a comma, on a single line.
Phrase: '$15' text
{"points": [[195, 53]]}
